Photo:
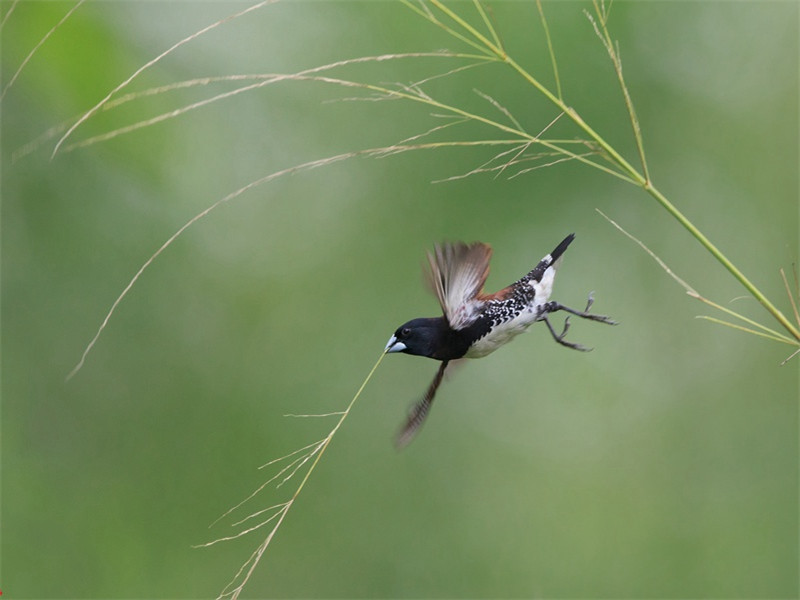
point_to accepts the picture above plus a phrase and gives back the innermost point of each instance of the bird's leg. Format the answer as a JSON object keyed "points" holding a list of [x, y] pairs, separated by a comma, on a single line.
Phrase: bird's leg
{"points": [[551, 307], [420, 410], [560, 337], [585, 314]]}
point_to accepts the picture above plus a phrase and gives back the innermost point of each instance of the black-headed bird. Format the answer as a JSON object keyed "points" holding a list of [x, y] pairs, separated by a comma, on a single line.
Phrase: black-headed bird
{"points": [[475, 324]]}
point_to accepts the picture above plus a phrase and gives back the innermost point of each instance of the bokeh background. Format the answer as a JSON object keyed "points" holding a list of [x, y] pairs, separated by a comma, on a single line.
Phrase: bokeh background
{"points": [[662, 464]]}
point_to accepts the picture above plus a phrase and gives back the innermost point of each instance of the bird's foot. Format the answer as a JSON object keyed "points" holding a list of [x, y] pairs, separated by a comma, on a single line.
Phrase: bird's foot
{"points": [[551, 307], [560, 337], [584, 314]]}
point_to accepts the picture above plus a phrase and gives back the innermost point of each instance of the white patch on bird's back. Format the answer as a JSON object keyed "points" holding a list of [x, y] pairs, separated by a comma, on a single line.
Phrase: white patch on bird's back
{"points": [[544, 287]]}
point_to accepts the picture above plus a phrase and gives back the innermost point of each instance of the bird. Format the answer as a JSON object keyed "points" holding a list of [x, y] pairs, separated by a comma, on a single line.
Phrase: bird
{"points": [[474, 324]]}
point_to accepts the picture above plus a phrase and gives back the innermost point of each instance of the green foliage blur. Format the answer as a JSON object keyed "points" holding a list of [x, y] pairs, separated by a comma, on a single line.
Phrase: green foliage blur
{"points": [[662, 464]]}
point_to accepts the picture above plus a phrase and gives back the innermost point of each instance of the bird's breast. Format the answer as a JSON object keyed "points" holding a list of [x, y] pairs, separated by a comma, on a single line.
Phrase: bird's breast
{"points": [[501, 333]]}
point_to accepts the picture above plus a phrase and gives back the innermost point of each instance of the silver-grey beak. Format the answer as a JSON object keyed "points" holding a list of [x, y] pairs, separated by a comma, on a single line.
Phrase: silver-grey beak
{"points": [[394, 346]]}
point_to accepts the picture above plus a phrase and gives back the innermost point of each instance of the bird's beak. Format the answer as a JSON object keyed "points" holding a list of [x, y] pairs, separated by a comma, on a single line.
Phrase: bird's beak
{"points": [[394, 346]]}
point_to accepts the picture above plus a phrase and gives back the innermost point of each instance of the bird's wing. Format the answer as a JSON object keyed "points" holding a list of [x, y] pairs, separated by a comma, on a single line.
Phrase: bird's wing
{"points": [[417, 415], [457, 274]]}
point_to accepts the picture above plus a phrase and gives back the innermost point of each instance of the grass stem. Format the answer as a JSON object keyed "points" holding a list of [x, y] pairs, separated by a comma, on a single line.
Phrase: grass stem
{"points": [[236, 585]]}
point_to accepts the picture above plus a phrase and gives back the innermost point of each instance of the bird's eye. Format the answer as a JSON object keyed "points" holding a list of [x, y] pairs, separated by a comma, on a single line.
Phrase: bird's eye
{"points": [[405, 332]]}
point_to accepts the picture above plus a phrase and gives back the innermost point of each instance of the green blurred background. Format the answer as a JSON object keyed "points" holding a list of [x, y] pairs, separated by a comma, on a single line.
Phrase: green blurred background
{"points": [[662, 464]]}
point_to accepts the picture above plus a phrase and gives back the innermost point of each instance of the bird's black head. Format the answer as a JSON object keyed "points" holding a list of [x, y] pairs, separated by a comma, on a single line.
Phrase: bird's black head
{"points": [[418, 336], [431, 337]]}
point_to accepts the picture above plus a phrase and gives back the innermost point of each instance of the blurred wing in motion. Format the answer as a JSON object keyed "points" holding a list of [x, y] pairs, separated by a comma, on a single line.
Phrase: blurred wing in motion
{"points": [[457, 274]]}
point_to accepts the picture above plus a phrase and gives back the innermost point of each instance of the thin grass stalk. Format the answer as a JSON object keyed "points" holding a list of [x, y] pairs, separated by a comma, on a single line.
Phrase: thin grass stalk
{"points": [[232, 590], [550, 48], [426, 14], [791, 297], [38, 45], [150, 63], [746, 329], [488, 23], [613, 52], [765, 331], [769, 333], [716, 253], [8, 13]]}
